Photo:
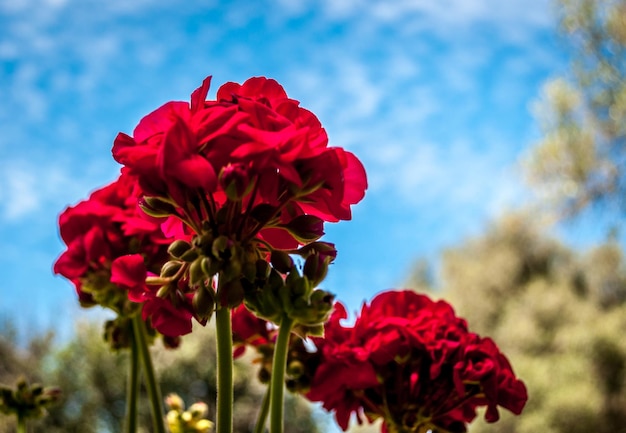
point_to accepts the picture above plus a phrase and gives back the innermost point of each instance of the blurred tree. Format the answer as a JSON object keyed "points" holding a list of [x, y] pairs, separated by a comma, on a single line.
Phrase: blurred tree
{"points": [[580, 160], [559, 316], [92, 379]]}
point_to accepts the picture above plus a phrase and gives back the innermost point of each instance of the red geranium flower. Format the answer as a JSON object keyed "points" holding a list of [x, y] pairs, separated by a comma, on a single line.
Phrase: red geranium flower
{"points": [[111, 247], [253, 151], [410, 361], [97, 231]]}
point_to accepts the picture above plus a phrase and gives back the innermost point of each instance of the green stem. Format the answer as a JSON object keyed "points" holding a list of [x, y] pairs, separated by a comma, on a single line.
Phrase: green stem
{"points": [[21, 424], [224, 343], [132, 390], [154, 391], [277, 384], [265, 408]]}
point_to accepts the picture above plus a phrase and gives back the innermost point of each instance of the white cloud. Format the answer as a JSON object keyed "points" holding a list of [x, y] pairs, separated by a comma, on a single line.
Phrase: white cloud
{"points": [[18, 195], [34, 190]]}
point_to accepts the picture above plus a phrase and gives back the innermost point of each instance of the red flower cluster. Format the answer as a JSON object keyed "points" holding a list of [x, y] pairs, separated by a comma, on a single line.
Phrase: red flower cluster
{"points": [[111, 245], [413, 363], [101, 229], [252, 151]]}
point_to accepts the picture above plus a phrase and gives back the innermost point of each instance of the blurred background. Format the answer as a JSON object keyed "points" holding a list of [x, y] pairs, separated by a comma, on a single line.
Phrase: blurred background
{"points": [[492, 132]]}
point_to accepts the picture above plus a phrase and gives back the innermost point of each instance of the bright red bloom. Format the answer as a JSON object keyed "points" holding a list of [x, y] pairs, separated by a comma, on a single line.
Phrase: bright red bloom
{"points": [[111, 247], [97, 231], [412, 362], [252, 150]]}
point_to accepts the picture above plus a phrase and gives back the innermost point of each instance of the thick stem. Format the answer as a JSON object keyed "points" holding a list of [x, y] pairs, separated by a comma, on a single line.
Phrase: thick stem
{"points": [[265, 408], [21, 424], [277, 385], [132, 390], [154, 391], [224, 343]]}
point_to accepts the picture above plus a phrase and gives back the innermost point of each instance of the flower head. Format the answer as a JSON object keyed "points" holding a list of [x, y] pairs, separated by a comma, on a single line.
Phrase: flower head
{"points": [[111, 247], [412, 362], [253, 151]]}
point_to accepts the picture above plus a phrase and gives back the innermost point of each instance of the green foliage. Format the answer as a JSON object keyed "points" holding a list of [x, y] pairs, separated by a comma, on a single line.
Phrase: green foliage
{"points": [[580, 160], [559, 316], [93, 382]]}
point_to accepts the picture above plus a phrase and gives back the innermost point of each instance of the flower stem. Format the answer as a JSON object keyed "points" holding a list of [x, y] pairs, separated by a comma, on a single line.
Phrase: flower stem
{"points": [[132, 389], [224, 343], [154, 391], [277, 385], [265, 408], [21, 424]]}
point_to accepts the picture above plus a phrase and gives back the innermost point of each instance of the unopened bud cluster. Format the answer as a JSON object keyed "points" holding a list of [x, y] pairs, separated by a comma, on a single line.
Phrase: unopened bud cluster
{"points": [[272, 289], [27, 401], [192, 420], [281, 289]]}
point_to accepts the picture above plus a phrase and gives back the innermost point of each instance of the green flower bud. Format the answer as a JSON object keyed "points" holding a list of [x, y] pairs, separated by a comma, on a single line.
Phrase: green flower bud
{"points": [[163, 291], [204, 302], [189, 255], [221, 247], [178, 248], [231, 293], [281, 261], [156, 207], [305, 228], [315, 268], [196, 272], [170, 268], [210, 267], [232, 269]]}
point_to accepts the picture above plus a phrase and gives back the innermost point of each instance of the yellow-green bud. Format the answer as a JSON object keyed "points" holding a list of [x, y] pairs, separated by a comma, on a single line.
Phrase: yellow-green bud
{"points": [[178, 248], [189, 255], [196, 272], [156, 207], [204, 302], [175, 402], [170, 268]]}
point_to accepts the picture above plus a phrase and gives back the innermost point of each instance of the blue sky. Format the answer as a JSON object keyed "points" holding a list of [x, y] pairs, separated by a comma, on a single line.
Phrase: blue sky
{"points": [[433, 95]]}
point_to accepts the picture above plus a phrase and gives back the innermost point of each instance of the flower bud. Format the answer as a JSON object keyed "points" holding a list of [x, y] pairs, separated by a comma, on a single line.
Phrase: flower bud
{"points": [[315, 269], [203, 426], [199, 410], [189, 255], [196, 272], [209, 267], [235, 181], [156, 207], [281, 261], [204, 302], [305, 228], [325, 249], [173, 423], [170, 268], [230, 293], [175, 402], [178, 248]]}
